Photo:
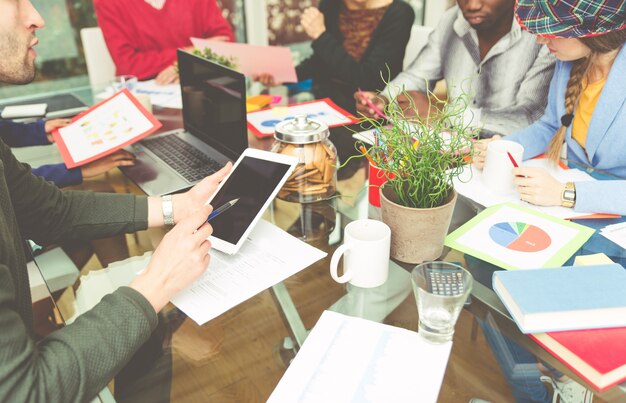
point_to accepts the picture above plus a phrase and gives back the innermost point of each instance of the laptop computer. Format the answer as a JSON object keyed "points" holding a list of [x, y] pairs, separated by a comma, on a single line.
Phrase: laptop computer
{"points": [[215, 131]]}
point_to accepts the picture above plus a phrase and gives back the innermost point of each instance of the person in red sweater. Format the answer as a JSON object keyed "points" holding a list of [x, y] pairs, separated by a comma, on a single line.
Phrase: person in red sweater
{"points": [[143, 35]]}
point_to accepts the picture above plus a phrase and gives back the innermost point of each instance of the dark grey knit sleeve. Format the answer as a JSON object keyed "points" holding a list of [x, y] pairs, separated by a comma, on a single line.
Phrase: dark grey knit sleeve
{"points": [[47, 215], [74, 363]]}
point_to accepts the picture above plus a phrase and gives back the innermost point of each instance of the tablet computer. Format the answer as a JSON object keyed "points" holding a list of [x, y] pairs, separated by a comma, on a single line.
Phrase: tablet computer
{"points": [[255, 179]]}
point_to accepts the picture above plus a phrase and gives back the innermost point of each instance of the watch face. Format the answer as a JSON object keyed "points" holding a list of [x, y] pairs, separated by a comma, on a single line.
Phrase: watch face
{"points": [[569, 195]]}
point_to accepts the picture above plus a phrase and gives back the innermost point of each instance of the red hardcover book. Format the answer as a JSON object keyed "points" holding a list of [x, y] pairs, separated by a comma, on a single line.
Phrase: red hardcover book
{"points": [[106, 127], [596, 355]]}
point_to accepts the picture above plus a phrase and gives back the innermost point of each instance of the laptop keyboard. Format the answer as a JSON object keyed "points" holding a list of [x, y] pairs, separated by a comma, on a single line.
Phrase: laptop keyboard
{"points": [[184, 158]]}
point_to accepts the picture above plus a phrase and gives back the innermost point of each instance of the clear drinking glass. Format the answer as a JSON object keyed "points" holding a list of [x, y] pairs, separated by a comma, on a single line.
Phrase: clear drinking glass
{"points": [[125, 81], [441, 289]]}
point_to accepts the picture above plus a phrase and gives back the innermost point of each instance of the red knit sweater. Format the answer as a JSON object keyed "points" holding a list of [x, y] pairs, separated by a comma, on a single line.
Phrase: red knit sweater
{"points": [[143, 40]]}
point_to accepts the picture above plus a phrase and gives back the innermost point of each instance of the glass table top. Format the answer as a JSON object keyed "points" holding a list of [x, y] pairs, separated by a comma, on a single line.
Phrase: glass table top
{"points": [[242, 354]]}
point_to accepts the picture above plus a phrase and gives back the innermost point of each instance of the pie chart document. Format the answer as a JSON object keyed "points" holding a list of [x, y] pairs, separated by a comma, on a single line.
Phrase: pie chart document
{"points": [[513, 237], [520, 236]]}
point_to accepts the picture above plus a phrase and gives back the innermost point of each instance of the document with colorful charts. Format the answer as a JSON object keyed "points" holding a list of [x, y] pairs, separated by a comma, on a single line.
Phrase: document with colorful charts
{"points": [[106, 127], [262, 123], [514, 237]]}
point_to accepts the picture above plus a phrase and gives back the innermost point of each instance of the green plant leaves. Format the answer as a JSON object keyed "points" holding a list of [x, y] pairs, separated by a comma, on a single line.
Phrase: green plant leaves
{"points": [[422, 154]]}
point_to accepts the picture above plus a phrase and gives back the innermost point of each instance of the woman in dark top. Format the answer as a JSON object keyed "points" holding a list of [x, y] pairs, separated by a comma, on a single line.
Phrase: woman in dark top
{"points": [[356, 44]]}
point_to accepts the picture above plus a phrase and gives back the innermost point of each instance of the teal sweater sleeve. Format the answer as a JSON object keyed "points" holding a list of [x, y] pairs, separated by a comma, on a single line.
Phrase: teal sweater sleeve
{"points": [[74, 363]]}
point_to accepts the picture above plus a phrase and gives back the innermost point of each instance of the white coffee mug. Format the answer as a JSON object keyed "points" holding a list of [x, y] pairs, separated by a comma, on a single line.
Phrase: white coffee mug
{"points": [[366, 254], [497, 175], [145, 101]]}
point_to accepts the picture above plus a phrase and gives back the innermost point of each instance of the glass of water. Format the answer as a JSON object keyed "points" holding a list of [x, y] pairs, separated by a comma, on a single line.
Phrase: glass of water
{"points": [[125, 81], [441, 289]]}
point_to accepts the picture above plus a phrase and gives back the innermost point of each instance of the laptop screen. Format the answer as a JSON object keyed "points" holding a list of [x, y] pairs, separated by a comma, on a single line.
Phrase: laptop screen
{"points": [[214, 104]]}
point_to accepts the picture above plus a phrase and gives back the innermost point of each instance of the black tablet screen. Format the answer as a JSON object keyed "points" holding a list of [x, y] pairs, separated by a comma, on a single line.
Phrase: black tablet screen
{"points": [[252, 182]]}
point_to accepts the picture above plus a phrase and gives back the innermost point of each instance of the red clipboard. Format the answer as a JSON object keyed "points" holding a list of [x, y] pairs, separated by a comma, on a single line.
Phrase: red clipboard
{"points": [[64, 149], [350, 118]]}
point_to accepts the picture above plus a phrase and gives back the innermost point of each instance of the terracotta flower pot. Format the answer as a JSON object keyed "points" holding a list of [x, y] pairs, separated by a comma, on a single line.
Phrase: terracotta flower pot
{"points": [[417, 234]]}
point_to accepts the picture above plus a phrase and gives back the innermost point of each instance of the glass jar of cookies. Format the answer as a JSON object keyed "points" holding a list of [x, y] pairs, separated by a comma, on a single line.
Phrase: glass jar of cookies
{"points": [[315, 176]]}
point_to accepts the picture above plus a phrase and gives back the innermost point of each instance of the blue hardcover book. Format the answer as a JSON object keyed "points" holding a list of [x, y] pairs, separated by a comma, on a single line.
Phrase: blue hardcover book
{"points": [[564, 298]]}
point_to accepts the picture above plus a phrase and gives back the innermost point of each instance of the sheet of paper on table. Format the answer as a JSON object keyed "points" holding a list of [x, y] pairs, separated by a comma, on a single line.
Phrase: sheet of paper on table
{"points": [[346, 359], [470, 185], [269, 256], [516, 237], [165, 96], [366, 136], [615, 233]]}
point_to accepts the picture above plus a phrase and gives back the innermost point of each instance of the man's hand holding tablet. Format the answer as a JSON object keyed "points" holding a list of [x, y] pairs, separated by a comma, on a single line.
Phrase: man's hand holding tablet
{"points": [[254, 181]]}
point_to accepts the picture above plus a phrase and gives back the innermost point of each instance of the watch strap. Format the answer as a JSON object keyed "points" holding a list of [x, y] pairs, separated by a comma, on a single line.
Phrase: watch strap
{"points": [[168, 210]]}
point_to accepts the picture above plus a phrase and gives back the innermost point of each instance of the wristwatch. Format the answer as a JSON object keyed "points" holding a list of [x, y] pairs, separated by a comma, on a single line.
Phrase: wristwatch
{"points": [[168, 210], [568, 196]]}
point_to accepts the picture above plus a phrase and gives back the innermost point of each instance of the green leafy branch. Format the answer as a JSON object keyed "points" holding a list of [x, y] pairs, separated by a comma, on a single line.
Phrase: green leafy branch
{"points": [[207, 53]]}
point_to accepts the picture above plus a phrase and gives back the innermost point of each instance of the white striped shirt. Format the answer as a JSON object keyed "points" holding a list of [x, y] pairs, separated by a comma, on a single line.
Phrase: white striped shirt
{"points": [[508, 89]]}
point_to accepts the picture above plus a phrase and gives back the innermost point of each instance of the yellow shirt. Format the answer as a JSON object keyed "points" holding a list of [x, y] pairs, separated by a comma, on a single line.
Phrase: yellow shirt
{"points": [[586, 105]]}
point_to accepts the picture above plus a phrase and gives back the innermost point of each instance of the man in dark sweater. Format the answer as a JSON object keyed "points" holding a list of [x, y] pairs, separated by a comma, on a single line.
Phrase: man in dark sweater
{"points": [[76, 362], [38, 133]]}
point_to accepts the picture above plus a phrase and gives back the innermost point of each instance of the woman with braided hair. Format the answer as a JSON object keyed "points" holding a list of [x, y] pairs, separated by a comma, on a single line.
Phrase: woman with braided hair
{"points": [[586, 108], [586, 111]]}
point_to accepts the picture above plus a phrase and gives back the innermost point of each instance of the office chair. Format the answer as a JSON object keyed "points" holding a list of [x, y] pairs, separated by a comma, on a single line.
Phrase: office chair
{"points": [[417, 40], [100, 66]]}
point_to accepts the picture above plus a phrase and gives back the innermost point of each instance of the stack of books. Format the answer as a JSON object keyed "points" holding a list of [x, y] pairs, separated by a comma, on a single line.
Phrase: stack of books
{"points": [[577, 313]]}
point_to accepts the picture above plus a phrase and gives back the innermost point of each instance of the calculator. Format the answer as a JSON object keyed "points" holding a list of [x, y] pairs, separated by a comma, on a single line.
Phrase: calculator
{"points": [[446, 281]]}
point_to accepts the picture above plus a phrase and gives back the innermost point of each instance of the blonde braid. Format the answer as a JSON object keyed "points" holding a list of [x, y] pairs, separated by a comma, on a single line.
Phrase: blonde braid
{"points": [[572, 94]]}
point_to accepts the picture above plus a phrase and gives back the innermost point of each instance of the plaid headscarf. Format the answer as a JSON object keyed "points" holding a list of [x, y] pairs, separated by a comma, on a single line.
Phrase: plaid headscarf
{"points": [[571, 18]]}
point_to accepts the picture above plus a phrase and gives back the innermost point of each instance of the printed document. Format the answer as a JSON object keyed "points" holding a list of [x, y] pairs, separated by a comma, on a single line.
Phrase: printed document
{"points": [[516, 237], [269, 256], [346, 359], [615, 233], [164, 96]]}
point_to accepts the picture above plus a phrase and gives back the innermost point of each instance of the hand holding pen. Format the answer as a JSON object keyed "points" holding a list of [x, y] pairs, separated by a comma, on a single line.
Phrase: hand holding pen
{"points": [[369, 104], [221, 209], [537, 186]]}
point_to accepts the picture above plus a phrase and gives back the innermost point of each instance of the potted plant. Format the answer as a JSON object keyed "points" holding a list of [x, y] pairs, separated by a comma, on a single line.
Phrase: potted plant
{"points": [[208, 54], [420, 156]]}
